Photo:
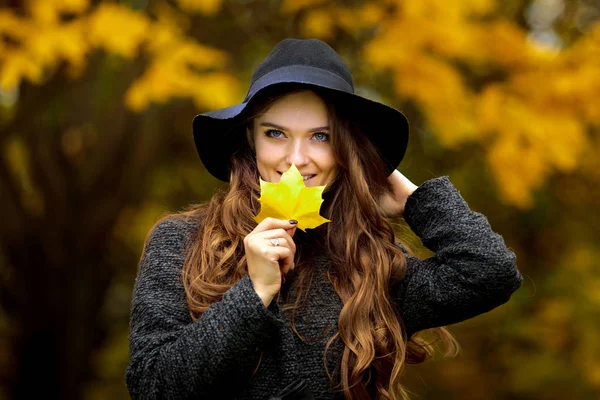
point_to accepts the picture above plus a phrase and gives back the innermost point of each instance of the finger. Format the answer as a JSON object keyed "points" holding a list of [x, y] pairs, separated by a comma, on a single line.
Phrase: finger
{"points": [[282, 256], [291, 231], [284, 238], [287, 268], [264, 245], [273, 223], [286, 264]]}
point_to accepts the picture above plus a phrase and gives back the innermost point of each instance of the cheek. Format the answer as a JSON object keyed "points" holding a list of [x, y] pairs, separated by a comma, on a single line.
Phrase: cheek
{"points": [[266, 154], [328, 162]]}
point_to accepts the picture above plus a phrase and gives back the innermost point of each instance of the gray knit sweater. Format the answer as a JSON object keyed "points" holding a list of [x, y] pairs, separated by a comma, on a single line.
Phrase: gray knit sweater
{"points": [[172, 357]]}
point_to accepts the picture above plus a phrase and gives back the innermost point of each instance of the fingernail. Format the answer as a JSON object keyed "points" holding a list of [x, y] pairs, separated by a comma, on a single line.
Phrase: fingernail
{"points": [[293, 221]]}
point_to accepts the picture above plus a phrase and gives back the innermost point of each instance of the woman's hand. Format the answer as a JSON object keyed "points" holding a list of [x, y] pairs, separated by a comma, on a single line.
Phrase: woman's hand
{"points": [[270, 252], [393, 203]]}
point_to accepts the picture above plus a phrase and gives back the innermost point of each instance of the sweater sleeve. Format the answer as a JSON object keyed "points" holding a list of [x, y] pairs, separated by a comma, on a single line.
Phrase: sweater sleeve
{"points": [[173, 357], [471, 272]]}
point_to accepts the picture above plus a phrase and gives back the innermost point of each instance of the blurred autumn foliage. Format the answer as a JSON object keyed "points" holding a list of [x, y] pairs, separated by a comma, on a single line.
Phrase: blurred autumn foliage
{"points": [[96, 103]]}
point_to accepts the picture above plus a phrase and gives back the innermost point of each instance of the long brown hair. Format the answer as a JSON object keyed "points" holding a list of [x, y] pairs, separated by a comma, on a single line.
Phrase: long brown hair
{"points": [[365, 259]]}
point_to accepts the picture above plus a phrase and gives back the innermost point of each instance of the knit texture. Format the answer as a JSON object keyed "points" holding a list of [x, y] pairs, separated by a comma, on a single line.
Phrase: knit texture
{"points": [[172, 357]]}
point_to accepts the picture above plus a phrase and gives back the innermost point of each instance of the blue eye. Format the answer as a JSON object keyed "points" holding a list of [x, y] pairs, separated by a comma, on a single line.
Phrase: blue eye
{"points": [[321, 136], [274, 133]]}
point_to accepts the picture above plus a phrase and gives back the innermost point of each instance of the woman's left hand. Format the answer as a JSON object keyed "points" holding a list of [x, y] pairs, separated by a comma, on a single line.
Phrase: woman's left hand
{"points": [[393, 203]]}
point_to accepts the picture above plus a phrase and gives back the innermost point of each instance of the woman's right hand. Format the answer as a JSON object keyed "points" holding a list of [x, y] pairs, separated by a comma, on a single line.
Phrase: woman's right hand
{"points": [[266, 262]]}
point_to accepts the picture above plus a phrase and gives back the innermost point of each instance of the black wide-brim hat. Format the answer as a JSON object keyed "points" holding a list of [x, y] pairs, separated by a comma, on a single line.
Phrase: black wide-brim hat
{"points": [[311, 62]]}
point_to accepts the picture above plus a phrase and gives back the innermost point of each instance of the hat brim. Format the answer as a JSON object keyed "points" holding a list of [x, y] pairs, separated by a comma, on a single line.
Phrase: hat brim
{"points": [[219, 134]]}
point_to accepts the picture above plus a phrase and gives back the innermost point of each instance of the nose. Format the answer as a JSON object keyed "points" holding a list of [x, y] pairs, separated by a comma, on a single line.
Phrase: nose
{"points": [[297, 154]]}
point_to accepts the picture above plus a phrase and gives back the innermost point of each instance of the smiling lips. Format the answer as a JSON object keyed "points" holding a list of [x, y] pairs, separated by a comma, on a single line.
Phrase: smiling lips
{"points": [[304, 177]]}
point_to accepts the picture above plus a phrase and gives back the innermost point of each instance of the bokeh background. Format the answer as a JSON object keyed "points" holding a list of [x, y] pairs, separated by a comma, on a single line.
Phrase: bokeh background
{"points": [[96, 103]]}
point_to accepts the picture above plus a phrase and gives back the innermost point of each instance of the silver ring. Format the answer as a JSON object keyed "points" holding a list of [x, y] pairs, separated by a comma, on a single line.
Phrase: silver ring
{"points": [[275, 242]]}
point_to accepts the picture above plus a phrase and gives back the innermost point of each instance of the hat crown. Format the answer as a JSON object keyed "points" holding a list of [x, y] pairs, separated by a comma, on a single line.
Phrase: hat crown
{"points": [[308, 52]]}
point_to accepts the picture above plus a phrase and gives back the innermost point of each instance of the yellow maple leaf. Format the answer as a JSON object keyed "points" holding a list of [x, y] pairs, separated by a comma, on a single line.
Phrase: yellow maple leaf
{"points": [[291, 199]]}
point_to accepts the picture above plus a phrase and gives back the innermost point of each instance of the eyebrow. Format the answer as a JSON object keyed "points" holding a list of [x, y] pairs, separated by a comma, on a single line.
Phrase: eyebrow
{"points": [[272, 125]]}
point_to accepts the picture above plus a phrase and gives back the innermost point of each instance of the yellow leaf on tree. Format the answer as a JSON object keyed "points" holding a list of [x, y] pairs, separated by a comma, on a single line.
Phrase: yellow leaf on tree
{"points": [[119, 29], [291, 199]]}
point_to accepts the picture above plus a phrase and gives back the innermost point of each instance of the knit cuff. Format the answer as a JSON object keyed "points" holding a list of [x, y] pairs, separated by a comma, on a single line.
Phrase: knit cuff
{"points": [[431, 202], [245, 295]]}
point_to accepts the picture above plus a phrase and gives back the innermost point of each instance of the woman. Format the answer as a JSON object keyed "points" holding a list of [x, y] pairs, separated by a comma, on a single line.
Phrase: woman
{"points": [[227, 308]]}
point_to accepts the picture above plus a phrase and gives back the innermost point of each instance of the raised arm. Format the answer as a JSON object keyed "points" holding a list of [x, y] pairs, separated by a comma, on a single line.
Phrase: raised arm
{"points": [[170, 355], [472, 270]]}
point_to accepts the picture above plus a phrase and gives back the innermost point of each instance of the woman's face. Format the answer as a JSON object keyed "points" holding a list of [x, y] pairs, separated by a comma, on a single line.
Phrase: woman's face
{"points": [[295, 130]]}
